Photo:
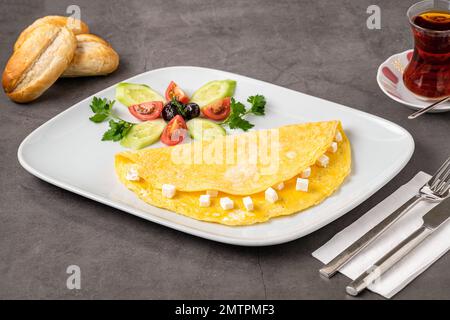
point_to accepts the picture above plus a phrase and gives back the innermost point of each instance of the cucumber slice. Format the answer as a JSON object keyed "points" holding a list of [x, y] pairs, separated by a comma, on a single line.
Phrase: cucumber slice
{"points": [[212, 91], [143, 134], [132, 93], [202, 129]]}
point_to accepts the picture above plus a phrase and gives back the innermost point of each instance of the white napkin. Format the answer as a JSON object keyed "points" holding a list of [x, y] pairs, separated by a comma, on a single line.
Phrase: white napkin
{"points": [[410, 266]]}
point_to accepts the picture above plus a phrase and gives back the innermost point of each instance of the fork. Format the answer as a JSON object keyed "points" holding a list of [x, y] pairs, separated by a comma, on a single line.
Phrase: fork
{"points": [[436, 189]]}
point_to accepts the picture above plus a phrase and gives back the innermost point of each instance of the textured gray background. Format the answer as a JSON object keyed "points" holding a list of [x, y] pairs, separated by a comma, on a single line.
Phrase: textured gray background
{"points": [[322, 48]]}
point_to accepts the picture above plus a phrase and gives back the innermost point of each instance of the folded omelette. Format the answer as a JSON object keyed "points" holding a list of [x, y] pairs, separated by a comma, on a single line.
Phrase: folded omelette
{"points": [[302, 164]]}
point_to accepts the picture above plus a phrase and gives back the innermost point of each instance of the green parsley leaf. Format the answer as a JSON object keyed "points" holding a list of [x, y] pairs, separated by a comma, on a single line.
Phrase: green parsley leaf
{"points": [[240, 123], [102, 109], [99, 117], [97, 104], [117, 130], [179, 106], [237, 108], [258, 103], [238, 111]]}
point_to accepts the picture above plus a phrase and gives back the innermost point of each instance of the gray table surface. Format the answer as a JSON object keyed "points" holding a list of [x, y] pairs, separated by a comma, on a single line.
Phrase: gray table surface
{"points": [[322, 48]]}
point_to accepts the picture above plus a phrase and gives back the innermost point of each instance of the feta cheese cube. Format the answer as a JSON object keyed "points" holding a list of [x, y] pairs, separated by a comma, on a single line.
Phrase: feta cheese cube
{"points": [[168, 190], [271, 195], [280, 186], [132, 175], [302, 184], [205, 200], [333, 147], [226, 203], [306, 173], [212, 193], [338, 136], [248, 203], [323, 161]]}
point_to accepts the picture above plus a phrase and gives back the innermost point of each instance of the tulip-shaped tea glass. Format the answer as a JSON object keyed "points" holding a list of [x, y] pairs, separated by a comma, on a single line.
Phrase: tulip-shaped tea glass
{"points": [[428, 73]]}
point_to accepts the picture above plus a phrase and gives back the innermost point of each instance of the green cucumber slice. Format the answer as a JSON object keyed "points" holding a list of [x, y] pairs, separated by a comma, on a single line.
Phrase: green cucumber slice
{"points": [[202, 129], [143, 134], [132, 93], [213, 91]]}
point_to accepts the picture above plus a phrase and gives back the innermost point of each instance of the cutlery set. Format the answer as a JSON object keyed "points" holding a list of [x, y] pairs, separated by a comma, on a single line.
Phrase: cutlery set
{"points": [[437, 189]]}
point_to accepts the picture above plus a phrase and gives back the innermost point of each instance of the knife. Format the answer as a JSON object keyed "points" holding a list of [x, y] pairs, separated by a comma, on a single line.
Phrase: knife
{"points": [[334, 265], [431, 221]]}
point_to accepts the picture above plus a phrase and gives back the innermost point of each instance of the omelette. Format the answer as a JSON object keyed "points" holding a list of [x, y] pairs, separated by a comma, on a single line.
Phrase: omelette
{"points": [[242, 179]]}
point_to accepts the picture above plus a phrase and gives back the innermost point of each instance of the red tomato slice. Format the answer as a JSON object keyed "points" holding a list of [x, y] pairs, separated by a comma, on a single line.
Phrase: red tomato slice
{"points": [[218, 110], [146, 110], [174, 91], [175, 131]]}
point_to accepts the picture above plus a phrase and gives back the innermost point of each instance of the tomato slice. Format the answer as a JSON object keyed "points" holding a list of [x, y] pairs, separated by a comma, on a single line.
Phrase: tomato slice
{"points": [[175, 131], [174, 91], [218, 110], [146, 110]]}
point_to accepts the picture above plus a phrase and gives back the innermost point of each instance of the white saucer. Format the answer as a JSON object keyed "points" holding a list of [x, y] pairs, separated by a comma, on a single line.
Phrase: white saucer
{"points": [[390, 80]]}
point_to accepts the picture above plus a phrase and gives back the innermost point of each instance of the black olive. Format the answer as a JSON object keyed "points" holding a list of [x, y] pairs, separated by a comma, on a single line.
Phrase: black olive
{"points": [[191, 111], [169, 111]]}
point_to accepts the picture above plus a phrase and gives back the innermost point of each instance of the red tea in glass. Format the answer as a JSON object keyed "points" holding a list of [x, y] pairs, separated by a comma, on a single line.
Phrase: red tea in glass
{"points": [[428, 73]]}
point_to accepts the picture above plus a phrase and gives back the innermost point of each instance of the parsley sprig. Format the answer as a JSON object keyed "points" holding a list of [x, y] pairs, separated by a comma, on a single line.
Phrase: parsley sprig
{"points": [[118, 128], [258, 103], [179, 107], [238, 111]]}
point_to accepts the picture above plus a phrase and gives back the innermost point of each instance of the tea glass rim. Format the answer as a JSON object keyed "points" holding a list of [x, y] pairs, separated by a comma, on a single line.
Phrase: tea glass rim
{"points": [[417, 4]]}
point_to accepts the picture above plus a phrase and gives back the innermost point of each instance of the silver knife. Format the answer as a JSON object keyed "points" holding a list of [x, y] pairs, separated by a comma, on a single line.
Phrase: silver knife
{"points": [[436, 189], [431, 221]]}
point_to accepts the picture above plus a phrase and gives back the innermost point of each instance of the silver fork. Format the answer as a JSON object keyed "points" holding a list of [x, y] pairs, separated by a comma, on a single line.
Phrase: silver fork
{"points": [[436, 189]]}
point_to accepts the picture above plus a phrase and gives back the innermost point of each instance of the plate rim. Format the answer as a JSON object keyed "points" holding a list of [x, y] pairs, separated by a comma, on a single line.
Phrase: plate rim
{"points": [[410, 105], [361, 197]]}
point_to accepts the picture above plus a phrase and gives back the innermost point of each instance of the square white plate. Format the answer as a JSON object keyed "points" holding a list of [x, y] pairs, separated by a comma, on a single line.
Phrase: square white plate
{"points": [[66, 151]]}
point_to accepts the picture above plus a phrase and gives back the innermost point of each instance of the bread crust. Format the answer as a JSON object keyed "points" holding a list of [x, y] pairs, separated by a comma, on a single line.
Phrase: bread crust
{"points": [[75, 25], [39, 62], [93, 57]]}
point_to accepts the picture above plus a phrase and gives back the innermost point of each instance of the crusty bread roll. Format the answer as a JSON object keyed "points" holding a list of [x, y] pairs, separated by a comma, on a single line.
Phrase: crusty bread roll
{"points": [[77, 27], [93, 57], [39, 62]]}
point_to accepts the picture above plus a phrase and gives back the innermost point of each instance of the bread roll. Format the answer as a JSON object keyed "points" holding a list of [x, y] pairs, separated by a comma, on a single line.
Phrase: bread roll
{"points": [[77, 27], [93, 57], [39, 62]]}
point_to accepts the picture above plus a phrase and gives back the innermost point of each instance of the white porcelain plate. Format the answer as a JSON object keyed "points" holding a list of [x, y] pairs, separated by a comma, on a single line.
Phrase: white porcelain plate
{"points": [[67, 152], [390, 80]]}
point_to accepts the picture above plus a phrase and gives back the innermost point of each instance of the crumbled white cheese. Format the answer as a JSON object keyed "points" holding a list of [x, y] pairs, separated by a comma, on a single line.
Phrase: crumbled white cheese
{"points": [[226, 203], [280, 186], [248, 203], [323, 161], [237, 215], [302, 184], [271, 195], [168, 190], [306, 173], [333, 147], [205, 200], [212, 193], [132, 175], [338, 136]]}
